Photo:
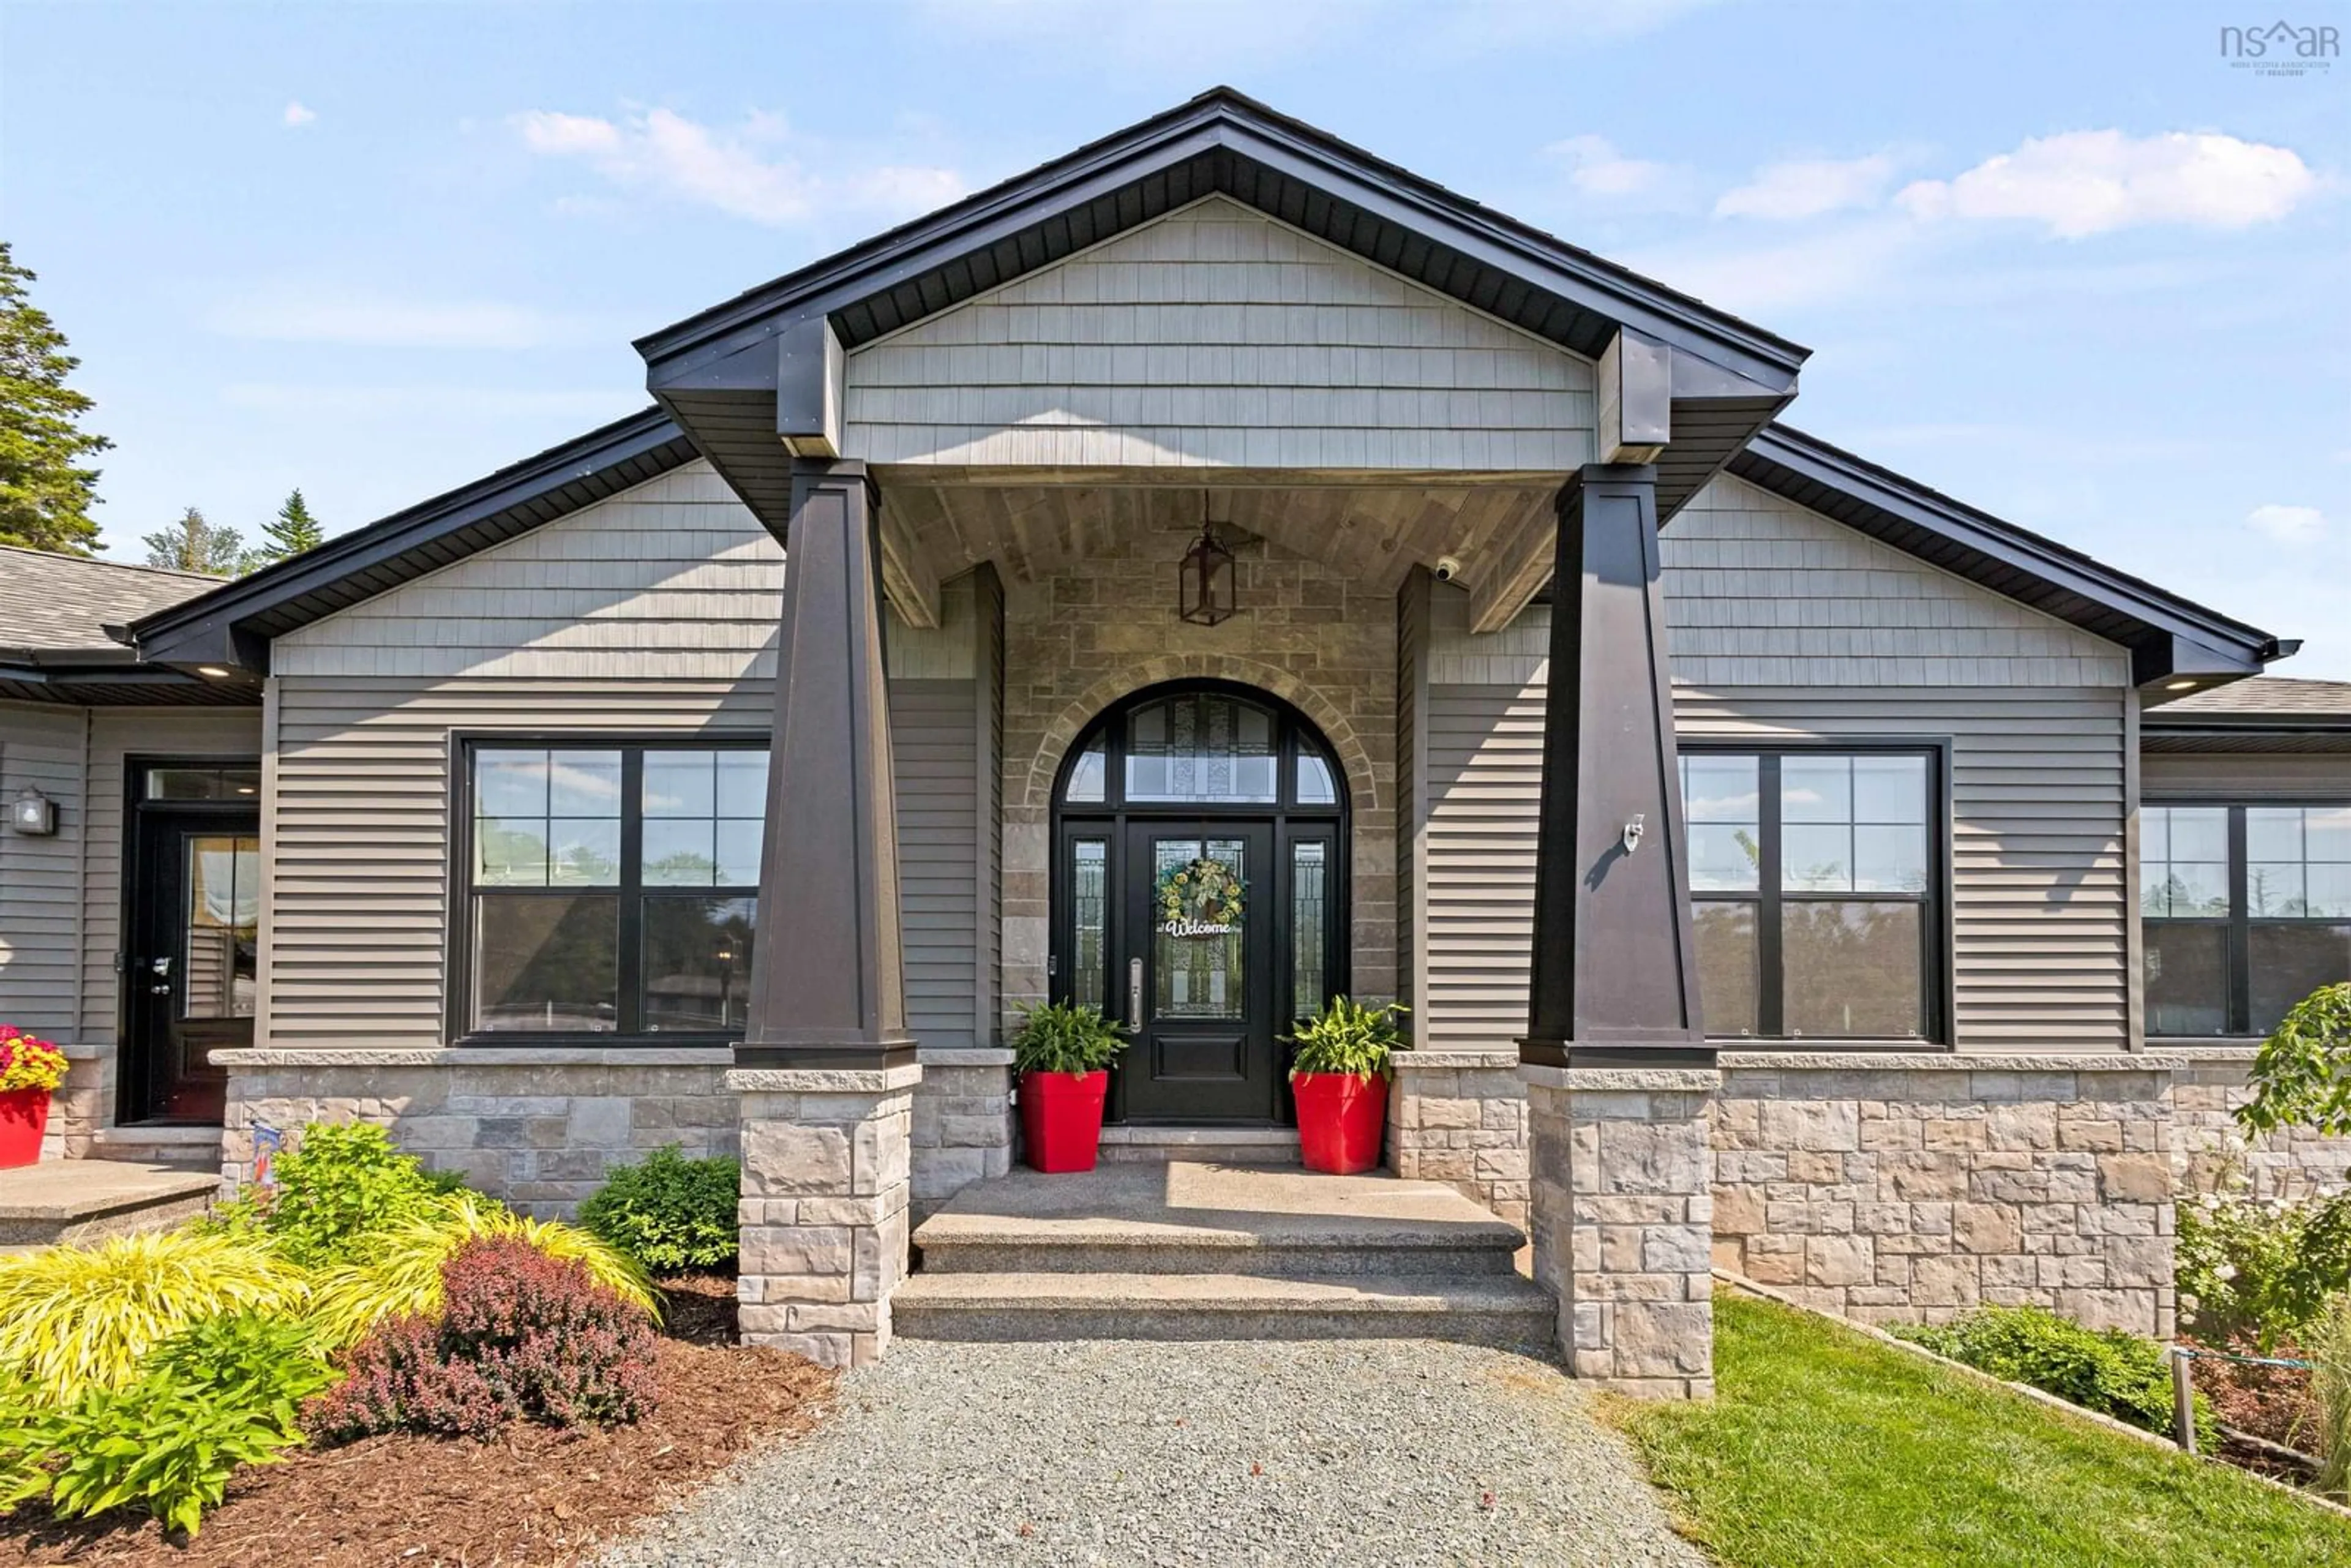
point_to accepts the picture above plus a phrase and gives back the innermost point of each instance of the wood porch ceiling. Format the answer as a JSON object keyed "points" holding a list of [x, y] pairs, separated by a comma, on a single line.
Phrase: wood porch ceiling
{"points": [[1374, 532]]}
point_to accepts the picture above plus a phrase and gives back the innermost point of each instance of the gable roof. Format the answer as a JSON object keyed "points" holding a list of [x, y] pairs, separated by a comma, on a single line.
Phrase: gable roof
{"points": [[54, 614], [729, 373], [232, 625], [2169, 637]]}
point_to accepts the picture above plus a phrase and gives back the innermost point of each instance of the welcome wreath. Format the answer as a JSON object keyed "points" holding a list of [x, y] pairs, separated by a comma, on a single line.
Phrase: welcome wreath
{"points": [[1204, 894]]}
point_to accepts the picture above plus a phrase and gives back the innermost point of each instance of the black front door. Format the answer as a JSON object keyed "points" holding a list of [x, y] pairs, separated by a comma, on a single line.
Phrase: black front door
{"points": [[189, 963], [1200, 971]]}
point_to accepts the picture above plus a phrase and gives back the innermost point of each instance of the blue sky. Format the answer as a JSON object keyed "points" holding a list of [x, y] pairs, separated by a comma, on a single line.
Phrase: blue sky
{"points": [[2061, 261]]}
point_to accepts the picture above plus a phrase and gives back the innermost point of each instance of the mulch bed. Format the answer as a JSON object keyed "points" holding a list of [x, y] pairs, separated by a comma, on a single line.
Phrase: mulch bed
{"points": [[2272, 1402], [537, 1495]]}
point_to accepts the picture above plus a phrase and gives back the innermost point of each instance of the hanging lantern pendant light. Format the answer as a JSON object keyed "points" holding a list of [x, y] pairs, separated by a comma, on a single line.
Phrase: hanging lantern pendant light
{"points": [[1206, 580]]}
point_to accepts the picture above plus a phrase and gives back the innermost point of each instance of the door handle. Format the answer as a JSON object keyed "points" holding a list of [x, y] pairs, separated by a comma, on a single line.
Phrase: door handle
{"points": [[1134, 996]]}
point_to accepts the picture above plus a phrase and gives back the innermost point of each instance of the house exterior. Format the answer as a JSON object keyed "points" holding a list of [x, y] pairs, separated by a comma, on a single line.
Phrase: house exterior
{"points": [[1787, 868]]}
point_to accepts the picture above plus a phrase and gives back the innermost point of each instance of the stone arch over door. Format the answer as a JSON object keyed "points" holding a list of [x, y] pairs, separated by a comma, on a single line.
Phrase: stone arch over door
{"points": [[1365, 752]]}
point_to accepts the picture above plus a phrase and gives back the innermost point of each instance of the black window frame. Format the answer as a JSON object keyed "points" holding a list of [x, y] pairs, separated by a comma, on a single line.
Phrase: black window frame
{"points": [[2236, 946], [632, 889], [1937, 1004]]}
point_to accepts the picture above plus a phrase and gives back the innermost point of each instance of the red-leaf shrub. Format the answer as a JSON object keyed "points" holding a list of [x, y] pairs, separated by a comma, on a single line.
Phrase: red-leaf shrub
{"points": [[522, 1336]]}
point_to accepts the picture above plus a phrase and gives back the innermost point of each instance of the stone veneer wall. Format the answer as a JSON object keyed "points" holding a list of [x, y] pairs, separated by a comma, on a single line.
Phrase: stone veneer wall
{"points": [[1460, 1117], [1918, 1186], [1095, 628], [540, 1128], [1913, 1187], [2209, 1150]]}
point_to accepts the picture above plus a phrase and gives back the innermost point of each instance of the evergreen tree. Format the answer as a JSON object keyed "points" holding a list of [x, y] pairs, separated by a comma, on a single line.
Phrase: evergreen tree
{"points": [[44, 493], [195, 545], [290, 532]]}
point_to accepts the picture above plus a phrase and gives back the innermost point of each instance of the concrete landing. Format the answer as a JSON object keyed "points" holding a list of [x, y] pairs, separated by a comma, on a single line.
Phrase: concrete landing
{"points": [[90, 1200], [1189, 1250]]}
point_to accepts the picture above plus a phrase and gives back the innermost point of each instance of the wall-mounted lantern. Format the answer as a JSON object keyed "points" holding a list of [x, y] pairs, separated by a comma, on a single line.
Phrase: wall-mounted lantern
{"points": [[1208, 583], [33, 813]]}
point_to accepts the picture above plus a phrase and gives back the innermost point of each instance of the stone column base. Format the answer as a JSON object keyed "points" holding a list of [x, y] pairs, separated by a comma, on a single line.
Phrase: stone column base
{"points": [[826, 1165], [1621, 1213]]}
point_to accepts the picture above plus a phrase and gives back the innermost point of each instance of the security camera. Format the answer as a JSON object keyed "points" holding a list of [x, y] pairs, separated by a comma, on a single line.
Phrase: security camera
{"points": [[1447, 568]]}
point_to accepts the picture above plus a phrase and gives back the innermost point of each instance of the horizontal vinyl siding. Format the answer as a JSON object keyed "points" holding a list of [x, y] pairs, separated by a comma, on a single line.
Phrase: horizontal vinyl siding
{"points": [[2244, 776], [674, 579], [1218, 337], [934, 737], [359, 907], [1785, 626], [117, 734], [40, 878]]}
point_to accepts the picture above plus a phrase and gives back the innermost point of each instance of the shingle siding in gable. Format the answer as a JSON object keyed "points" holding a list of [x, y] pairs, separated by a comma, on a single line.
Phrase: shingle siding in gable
{"points": [[1218, 337], [674, 579]]}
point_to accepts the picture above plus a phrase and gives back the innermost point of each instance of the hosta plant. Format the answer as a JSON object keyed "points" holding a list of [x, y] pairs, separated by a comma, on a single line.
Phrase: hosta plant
{"points": [[27, 1062], [1064, 1037], [401, 1273], [219, 1395], [73, 1318], [1350, 1038]]}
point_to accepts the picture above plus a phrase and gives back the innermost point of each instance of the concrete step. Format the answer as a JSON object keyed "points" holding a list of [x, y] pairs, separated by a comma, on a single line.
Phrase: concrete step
{"points": [[179, 1147], [1223, 1145], [1184, 1218], [83, 1201], [1496, 1309]]}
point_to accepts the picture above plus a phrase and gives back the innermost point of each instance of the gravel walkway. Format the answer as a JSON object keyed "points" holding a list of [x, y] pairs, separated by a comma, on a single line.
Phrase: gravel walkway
{"points": [[1374, 1451]]}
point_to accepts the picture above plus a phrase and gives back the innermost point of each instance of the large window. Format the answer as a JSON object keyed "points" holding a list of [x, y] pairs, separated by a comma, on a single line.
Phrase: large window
{"points": [[2247, 911], [611, 889], [1814, 887]]}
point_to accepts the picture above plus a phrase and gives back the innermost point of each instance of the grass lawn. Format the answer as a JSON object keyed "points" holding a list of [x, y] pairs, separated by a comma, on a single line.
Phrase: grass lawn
{"points": [[1827, 1448]]}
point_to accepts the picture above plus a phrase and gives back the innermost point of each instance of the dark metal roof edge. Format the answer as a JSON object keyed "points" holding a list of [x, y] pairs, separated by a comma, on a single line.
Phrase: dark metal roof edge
{"points": [[2255, 723], [2019, 548], [1216, 108], [648, 434]]}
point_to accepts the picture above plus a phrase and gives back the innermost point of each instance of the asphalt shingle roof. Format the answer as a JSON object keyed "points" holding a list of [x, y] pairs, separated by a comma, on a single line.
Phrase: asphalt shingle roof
{"points": [[61, 603], [2281, 695]]}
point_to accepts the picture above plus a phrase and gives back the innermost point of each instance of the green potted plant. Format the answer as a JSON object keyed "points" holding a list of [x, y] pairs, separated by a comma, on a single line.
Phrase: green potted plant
{"points": [[30, 1071], [1339, 1078], [1062, 1055]]}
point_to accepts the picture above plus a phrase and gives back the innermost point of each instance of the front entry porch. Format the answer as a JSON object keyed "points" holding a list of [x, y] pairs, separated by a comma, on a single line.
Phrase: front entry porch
{"points": [[1196, 1250]]}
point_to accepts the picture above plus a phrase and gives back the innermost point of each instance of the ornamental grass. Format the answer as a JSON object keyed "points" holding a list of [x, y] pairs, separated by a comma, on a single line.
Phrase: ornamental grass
{"points": [[72, 1318]]}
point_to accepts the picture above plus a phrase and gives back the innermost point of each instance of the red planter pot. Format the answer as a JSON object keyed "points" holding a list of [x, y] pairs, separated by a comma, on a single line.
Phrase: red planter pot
{"points": [[1061, 1117], [1340, 1118], [23, 1115]]}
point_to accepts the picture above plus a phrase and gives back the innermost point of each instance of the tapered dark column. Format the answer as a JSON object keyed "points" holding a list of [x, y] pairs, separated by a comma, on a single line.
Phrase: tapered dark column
{"points": [[1615, 979], [827, 987]]}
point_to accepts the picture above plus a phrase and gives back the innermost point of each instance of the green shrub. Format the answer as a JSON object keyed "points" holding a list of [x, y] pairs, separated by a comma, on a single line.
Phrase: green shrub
{"points": [[335, 1187], [1063, 1037], [77, 1317], [2106, 1370], [2261, 1271], [670, 1213], [1348, 1037], [222, 1394], [2302, 1075]]}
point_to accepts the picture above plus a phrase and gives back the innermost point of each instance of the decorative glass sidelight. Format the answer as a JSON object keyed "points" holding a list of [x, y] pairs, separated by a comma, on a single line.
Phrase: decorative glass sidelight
{"points": [[1310, 894], [1090, 918], [1198, 957]]}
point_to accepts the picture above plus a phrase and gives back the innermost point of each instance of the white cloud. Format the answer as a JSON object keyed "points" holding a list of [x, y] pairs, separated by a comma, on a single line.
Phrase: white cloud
{"points": [[367, 319], [750, 173], [2287, 525], [2090, 182], [1596, 168], [298, 113], [1806, 188], [1837, 267]]}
